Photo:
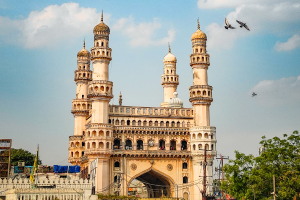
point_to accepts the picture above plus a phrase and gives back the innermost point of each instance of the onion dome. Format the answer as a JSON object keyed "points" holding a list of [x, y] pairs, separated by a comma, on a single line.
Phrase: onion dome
{"points": [[198, 34], [170, 57], [101, 27], [175, 102], [83, 52]]}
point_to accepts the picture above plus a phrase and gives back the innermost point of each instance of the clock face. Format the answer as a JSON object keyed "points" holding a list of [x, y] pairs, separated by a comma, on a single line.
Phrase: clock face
{"points": [[151, 143]]}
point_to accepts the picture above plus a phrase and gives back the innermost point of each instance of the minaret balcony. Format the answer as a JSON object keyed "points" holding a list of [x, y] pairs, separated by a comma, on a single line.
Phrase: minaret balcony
{"points": [[100, 53], [201, 91], [170, 79], [199, 59], [83, 75], [100, 88]]}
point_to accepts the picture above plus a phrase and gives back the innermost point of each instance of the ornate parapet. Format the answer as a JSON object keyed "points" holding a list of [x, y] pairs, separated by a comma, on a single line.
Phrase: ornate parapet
{"points": [[147, 153], [151, 111]]}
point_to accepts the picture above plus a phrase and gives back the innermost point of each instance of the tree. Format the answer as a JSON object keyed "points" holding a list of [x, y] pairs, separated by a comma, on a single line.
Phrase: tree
{"points": [[248, 174], [21, 155]]}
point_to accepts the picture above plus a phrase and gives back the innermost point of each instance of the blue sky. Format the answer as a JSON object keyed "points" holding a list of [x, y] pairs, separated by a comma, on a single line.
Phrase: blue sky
{"points": [[39, 41]]}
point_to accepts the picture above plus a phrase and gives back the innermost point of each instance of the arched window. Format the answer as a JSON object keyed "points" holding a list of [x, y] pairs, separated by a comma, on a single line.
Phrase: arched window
{"points": [[183, 145], [204, 92], [94, 145], [199, 146], [72, 144], [185, 179], [173, 124], [88, 145], [117, 122], [128, 145], [162, 145], [101, 133], [107, 89], [145, 123], [199, 135], [206, 135], [206, 146], [194, 147], [101, 145], [82, 153], [76, 154], [139, 123], [193, 136], [140, 145], [72, 154], [167, 124], [173, 145], [115, 179], [117, 164], [156, 123], [94, 133], [117, 144], [101, 44], [128, 122], [178, 124], [109, 121], [123, 122], [184, 165], [107, 133], [133, 123], [97, 45], [150, 123], [211, 136], [208, 93], [161, 123], [212, 147], [107, 145]]}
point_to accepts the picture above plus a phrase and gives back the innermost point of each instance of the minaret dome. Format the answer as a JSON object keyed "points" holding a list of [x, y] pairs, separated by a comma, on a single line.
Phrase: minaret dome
{"points": [[83, 52], [101, 27], [198, 34], [170, 57]]}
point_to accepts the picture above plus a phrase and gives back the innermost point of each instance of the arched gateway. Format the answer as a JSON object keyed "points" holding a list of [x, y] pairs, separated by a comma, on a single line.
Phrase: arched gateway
{"points": [[157, 184]]}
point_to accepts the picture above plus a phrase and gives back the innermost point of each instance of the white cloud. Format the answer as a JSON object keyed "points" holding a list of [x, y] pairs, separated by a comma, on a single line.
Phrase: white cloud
{"points": [[278, 92], [276, 17], [292, 43], [51, 25], [143, 34]]}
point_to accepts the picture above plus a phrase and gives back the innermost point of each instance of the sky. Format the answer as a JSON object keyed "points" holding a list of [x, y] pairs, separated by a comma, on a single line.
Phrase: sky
{"points": [[39, 42]]}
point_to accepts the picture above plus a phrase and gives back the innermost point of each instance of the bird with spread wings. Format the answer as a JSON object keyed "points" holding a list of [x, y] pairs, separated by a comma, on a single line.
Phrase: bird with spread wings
{"points": [[228, 25], [242, 24]]}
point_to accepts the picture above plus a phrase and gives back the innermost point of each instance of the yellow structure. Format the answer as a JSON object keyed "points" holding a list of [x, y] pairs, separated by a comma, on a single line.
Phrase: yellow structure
{"points": [[163, 147]]}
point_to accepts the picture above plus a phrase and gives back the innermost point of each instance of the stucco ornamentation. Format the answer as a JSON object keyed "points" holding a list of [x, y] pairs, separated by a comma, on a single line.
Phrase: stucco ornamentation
{"points": [[133, 166], [170, 167]]}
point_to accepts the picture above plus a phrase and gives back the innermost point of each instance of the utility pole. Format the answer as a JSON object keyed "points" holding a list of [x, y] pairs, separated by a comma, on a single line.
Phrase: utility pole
{"points": [[222, 163], [274, 195]]}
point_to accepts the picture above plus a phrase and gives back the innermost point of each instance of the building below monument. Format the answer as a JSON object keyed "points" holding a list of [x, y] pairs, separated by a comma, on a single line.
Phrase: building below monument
{"points": [[163, 147]]}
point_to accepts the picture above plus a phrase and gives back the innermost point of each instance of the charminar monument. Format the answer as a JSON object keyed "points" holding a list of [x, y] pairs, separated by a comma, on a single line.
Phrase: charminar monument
{"points": [[163, 146]]}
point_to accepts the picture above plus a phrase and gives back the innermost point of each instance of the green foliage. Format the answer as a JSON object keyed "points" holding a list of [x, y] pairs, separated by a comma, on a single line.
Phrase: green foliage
{"points": [[115, 197], [21, 155], [281, 157]]}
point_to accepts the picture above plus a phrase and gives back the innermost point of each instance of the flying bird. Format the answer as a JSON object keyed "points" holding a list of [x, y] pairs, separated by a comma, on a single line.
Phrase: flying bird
{"points": [[254, 94], [228, 25], [242, 24]]}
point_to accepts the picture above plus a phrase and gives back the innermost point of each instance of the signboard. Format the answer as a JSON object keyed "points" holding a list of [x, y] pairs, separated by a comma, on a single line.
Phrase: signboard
{"points": [[5, 149]]}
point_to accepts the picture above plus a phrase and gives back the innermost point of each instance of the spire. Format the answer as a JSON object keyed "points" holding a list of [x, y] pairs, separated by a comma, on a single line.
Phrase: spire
{"points": [[169, 48], [120, 99], [84, 43], [198, 24], [102, 16]]}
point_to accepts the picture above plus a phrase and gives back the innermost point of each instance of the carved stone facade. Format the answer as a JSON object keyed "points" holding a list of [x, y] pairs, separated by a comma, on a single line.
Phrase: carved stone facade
{"points": [[48, 187], [163, 147]]}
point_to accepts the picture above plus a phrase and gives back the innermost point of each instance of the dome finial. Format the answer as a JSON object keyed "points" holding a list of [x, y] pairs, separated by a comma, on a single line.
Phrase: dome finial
{"points": [[84, 43], [169, 47], [102, 16], [198, 24]]}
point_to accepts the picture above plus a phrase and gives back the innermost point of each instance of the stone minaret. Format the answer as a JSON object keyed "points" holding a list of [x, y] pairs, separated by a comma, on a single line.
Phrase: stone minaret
{"points": [[99, 138], [169, 79], [202, 134], [80, 105]]}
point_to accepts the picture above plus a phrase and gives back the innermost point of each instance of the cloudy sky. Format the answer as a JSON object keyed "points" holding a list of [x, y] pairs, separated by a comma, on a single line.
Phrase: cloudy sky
{"points": [[39, 41]]}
